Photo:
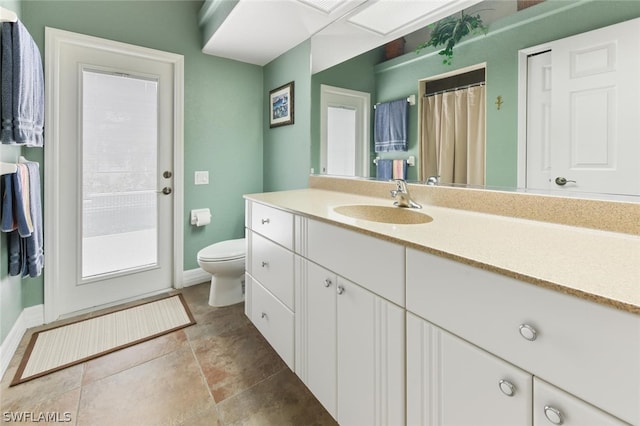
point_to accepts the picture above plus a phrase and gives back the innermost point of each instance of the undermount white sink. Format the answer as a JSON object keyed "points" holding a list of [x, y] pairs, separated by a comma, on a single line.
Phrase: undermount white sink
{"points": [[384, 214]]}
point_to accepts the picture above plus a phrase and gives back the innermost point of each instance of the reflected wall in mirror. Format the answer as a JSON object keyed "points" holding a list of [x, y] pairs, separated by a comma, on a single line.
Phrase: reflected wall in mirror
{"points": [[499, 50]]}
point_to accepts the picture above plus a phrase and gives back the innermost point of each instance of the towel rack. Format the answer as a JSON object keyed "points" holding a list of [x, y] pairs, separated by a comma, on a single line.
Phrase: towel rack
{"points": [[411, 161], [7, 15], [411, 99], [8, 168]]}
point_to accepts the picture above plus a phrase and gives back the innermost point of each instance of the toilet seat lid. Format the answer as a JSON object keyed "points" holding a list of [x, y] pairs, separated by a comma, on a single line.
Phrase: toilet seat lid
{"points": [[224, 250]]}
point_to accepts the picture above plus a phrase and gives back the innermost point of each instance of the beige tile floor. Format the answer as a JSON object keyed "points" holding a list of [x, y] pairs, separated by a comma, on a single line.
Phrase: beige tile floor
{"points": [[219, 371]]}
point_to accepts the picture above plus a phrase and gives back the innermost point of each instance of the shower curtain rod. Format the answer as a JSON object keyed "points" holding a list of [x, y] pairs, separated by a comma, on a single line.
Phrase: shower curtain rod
{"points": [[453, 89]]}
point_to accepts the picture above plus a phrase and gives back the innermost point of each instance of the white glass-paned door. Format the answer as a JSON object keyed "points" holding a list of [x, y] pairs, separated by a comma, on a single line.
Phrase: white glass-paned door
{"points": [[119, 173], [341, 141]]}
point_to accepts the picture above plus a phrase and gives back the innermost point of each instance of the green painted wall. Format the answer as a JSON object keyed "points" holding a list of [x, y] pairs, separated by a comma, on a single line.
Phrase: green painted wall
{"points": [[11, 288], [551, 20], [286, 148], [223, 132], [223, 114]]}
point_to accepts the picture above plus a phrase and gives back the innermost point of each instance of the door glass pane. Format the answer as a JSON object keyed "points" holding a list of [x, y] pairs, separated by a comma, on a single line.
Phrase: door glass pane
{"points": [[119, 173], [341, 141]]}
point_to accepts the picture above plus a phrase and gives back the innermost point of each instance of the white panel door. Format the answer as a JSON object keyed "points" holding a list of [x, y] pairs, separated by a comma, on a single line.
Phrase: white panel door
{"points": [[595, 80], [113, 126], [584, 134]]}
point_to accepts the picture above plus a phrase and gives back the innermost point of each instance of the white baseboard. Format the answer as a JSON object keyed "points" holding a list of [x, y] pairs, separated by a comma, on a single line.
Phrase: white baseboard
{"points": [[32, 316], [195, 276]]}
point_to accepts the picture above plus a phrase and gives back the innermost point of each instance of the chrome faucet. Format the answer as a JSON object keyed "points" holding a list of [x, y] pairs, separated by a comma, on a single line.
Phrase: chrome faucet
{"points": [[433, 180], [401, 193]]}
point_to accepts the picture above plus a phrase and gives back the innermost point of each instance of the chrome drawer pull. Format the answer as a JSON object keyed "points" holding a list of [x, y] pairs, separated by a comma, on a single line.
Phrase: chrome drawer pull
{"points": [[265, 264], [528, 332], [340, 289], [553, 415], [264, 315], [507, 388], [327, 282], [265, 221]]}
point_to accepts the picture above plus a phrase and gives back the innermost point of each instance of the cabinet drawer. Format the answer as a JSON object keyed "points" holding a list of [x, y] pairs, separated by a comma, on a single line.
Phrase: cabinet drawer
{"points": [[372, 263], [274, 320], [590, 350], [272, 265], [553, 406], [277, 225]]}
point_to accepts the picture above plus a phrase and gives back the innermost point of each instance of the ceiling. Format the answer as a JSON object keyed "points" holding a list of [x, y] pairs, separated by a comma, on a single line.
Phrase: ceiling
{"points": [[258, 31]]}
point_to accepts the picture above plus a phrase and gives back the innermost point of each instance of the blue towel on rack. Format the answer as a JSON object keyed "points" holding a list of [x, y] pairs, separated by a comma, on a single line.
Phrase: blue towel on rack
{"points": [[22, 219], [33, 250], [390, 126], [24, 124], [6, 78], [384, 170]]}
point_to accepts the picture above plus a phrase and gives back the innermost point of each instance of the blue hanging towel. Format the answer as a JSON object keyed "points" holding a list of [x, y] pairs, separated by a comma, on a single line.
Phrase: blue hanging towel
{"points": [[390, 126], [384, 170], [22, 92]]}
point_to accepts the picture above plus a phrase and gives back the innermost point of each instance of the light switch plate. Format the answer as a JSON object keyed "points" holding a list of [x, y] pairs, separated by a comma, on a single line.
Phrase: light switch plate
{"points": [[202, 178]]}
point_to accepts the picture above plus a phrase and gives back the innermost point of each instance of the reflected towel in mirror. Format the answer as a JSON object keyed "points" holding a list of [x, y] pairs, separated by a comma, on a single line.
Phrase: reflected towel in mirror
{"points": [[390, 126]]}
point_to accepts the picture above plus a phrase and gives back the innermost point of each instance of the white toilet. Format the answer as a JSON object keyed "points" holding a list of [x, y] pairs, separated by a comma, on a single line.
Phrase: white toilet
{"points": [[225, 262]]}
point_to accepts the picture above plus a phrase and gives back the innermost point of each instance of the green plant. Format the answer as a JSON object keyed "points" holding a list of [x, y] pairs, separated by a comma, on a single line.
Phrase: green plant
{"points": [[450, 30]]}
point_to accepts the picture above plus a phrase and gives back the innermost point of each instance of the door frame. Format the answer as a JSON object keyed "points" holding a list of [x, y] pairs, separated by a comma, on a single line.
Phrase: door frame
{"points": [[362, 103], [54, 39], [523, 81]]}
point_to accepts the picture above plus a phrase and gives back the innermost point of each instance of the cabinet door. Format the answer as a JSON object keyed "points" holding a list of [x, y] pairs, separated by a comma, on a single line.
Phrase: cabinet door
{"points": [[371, 384], [451, 382], [316, 331], [552, 406]]}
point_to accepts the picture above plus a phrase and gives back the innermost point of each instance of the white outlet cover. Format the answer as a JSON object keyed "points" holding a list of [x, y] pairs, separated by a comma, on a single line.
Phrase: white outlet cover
{"points": [[202, 177]]}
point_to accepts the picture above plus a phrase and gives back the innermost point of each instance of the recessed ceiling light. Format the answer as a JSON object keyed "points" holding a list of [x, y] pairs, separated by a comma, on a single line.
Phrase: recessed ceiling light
{"points": [[326, 6], [384, 16]]}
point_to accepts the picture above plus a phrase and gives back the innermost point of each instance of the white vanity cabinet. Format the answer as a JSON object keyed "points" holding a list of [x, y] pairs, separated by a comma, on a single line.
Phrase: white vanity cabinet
{"points": [[349, 341], [586, 349], [269, 277]]}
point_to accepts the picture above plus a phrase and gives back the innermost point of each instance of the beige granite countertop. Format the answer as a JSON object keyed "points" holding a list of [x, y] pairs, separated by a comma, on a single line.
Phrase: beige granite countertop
{"points": [[601, 266]]}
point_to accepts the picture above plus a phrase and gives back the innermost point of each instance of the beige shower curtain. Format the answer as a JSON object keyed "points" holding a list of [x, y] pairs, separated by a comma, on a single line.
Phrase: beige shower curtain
{"points": [[453, 136]]}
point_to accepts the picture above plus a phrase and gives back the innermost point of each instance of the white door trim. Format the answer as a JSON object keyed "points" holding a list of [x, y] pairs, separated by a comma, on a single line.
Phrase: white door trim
{"points": [[362, 103], [54, 38]]}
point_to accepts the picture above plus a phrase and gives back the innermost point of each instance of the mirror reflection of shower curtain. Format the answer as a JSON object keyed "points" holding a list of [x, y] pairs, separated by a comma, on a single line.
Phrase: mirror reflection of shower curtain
{"points": [[453, 136]]}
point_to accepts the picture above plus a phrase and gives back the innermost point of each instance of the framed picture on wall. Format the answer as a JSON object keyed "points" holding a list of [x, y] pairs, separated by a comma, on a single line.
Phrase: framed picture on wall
{"points": [[281, 105]]}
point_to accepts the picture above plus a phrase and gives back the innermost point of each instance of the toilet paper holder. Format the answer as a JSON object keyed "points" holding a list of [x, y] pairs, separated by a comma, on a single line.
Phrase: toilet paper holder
{"points": [[200, 217]]}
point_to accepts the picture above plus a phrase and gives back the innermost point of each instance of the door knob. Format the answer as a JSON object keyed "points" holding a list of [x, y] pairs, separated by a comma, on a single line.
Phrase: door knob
{"points": [[563, 181], [167, 174]]}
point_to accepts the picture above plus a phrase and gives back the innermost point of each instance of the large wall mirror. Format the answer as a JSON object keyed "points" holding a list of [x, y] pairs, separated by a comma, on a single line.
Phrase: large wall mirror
{"points": [[597, 124]]}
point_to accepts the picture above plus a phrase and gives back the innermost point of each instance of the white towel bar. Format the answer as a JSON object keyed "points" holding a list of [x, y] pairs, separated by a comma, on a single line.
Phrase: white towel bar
{"points": [[411, 161], [7, 15]]}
